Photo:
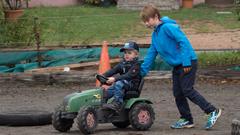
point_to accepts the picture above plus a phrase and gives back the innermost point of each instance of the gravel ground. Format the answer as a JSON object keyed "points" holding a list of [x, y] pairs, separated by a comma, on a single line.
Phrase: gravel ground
{"points": [[224, 94]]}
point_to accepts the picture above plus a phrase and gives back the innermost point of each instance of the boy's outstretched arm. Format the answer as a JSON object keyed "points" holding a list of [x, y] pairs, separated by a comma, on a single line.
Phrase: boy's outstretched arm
{"points": [[132, 72], [148, 60], [116, 69]]}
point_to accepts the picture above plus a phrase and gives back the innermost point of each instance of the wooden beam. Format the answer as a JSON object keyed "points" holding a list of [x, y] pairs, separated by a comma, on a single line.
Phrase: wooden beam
{"points": [[78, 66]]}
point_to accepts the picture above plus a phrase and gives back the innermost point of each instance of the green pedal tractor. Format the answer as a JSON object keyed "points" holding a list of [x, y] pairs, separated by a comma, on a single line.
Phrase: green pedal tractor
{"points": [[87, 108]]}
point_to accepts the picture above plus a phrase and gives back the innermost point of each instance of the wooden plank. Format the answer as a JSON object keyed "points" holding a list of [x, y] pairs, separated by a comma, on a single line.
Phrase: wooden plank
{"points": [[78, 66]]}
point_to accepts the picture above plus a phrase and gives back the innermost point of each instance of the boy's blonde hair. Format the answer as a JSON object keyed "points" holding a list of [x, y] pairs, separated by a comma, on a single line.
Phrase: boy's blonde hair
{"points": [[149, 11]]}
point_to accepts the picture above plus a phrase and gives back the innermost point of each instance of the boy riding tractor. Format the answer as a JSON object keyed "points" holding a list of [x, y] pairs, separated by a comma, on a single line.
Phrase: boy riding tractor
{"points": [[87, 108]]}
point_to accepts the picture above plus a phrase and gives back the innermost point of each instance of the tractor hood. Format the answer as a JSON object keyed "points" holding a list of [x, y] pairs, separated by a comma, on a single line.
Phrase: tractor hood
{"points": [[73, 102]]}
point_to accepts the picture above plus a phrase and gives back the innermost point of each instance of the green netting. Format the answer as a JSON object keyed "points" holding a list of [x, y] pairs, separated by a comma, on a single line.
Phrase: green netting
{"points": [[22, 61], [7, 58], [236, 68], [3, 68]]}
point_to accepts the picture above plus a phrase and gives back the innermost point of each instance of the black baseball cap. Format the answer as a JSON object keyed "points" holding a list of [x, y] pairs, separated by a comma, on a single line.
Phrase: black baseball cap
{"points": [[130, 46]]}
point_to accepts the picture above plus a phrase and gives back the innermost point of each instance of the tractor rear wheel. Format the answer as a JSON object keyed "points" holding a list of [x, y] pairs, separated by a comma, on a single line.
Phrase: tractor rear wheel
{"points": [[123, 124], [62, 125], [141, 116], [87, 120]]}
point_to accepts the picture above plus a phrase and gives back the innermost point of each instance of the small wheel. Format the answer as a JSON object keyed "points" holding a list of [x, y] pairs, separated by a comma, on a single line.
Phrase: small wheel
{"points": [[123, 124], [87, 120], [235, 127], [141, 116], [62, 125]]}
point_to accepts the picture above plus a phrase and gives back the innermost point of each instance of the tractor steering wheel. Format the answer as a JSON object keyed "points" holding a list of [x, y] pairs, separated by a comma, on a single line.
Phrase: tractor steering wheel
{"points": [[102, 79]]}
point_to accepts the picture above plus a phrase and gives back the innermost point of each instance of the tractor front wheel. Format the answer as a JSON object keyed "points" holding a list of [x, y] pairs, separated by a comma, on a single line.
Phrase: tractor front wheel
{"points": [[87, 120], [62, 125], [141, 116]]}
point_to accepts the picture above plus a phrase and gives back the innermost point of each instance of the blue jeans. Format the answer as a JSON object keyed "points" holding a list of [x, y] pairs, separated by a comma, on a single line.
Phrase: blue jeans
{"points": [[117, 91], [183, 89]]}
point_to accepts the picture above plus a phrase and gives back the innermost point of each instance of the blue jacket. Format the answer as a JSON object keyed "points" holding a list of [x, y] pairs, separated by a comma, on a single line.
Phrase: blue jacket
{"points": [[171, 43]]}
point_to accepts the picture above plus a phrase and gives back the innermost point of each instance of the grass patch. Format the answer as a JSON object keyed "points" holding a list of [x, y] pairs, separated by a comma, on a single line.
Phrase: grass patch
{"points": [[218, 59], [201, 16], [89, 25]]}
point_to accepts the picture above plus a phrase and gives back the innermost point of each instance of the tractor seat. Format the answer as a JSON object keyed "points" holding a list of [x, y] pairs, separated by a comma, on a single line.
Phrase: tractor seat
{"points": [[134, 93]]}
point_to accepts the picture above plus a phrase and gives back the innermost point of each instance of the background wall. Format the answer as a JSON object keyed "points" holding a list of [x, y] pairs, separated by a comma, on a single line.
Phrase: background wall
{"points": [[59, 3], [138, 4]]}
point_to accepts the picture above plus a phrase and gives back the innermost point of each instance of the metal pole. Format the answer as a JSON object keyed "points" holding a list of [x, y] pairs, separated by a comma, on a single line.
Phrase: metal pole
{"points": [[38, 42]]}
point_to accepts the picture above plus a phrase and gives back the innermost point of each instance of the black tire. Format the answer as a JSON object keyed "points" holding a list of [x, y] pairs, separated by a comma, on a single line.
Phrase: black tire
{"points": [[62, 125], [85, 114], [25, 118], [123, 124], [147, 111], [235, 127]]}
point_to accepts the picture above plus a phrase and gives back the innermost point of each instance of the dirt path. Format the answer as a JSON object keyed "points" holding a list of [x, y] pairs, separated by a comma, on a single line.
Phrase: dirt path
{"points": [[221, 40], [20, 96], [217, 40]]}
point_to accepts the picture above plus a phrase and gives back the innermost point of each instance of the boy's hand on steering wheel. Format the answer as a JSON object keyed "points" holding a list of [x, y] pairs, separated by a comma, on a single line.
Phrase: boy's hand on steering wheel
{"points": [[111, 80]]}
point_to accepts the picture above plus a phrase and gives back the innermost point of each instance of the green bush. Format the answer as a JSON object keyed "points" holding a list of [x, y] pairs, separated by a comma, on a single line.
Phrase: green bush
{"points": [[93, 2], [237, 6], [100, 2], [218, 59], [16, 34], [1, 9]]}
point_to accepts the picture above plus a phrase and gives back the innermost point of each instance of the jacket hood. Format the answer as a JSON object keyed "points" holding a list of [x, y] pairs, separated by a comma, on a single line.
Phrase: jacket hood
{"points": [[166, 19]]}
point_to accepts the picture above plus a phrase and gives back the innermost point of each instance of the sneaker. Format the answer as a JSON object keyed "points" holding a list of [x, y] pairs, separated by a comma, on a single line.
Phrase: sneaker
{"points": [[182, 123], [212, 118]]}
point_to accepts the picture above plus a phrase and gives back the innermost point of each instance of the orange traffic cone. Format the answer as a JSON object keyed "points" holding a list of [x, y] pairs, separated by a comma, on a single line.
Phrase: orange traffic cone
{"points": [[104, 63]]}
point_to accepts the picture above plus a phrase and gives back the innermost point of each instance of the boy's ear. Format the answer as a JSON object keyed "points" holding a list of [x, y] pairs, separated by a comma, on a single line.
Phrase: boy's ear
{"points": [[137, 53]]}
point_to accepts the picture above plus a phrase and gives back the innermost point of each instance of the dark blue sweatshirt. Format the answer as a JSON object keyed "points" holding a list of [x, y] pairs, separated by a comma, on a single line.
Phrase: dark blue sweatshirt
{"points": [[126, 70]]}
